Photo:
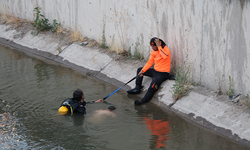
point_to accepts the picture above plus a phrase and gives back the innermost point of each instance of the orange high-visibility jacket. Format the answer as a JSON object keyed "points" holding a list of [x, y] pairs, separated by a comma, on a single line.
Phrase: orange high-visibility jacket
{"points": [[161, 60]]}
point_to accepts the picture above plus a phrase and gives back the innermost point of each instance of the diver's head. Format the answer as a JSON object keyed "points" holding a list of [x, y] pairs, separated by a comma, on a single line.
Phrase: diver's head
{"points": [[111, 108], [78, 95]]}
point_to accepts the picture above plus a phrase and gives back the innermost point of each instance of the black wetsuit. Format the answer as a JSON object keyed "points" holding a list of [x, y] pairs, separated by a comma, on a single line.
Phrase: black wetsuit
{"points": [[74, 106]]}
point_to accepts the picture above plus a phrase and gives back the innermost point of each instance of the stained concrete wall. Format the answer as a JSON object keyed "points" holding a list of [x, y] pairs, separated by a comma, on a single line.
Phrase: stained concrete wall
{"points": [[212, 36]]}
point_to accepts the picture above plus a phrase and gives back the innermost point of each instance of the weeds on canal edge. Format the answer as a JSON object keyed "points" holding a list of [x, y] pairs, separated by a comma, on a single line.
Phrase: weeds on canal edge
{"points": [[6, 18], [230, 90], [137, 54], [182, 82], [103, 45], [247, 102], [42, 24]]}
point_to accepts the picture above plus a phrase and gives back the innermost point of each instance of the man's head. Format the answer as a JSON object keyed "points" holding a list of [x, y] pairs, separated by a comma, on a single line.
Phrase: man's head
{"points": [[153, 44], [78, 95], [111, 108]]}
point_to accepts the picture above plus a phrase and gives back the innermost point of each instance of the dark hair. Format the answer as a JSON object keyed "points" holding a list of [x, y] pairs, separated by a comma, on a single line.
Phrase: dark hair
{"points": [[111, 108], [77, 95], [152, 42]]}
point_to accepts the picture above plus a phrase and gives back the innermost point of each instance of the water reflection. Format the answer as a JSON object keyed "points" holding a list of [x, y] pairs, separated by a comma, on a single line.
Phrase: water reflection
{"points": [[156, 121], [42, 72], [159, 132]]}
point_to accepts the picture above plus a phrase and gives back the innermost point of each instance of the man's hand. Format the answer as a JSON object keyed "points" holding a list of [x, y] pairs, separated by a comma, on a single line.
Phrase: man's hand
{"points": [[140, 74], [100, 100], [157, 42]]}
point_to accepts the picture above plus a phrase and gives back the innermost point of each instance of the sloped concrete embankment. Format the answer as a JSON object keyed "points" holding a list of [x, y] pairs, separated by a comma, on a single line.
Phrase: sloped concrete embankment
{"points": [[201, 105]]}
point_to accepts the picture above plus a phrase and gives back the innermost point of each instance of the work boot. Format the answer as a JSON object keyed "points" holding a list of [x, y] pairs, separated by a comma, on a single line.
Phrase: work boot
{"points": [[171, 77], [138, 102], [135, 90]]}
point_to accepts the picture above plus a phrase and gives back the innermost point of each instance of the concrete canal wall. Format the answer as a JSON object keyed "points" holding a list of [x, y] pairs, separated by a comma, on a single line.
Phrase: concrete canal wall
{"points": [[212, 36], [203, 106]]}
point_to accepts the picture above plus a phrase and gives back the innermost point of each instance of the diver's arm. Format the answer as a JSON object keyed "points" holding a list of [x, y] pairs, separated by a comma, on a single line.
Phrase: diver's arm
{"points": [[97, 101]]}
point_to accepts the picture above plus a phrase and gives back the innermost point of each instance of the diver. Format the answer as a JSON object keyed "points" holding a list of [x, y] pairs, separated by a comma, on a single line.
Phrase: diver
{"points": [[75, 105]]}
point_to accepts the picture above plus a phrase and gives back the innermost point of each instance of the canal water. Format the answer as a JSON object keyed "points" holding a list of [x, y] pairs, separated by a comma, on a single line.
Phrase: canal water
{"points": [[32, 89]]}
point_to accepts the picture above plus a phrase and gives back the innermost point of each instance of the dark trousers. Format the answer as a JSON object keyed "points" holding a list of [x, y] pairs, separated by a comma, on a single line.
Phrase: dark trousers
{"points": [[157, 79]]}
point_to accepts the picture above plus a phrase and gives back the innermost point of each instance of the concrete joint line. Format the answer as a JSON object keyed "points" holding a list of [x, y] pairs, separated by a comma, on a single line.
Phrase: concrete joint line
{"points": [[64, 49], [103, 68], [170, 105]]}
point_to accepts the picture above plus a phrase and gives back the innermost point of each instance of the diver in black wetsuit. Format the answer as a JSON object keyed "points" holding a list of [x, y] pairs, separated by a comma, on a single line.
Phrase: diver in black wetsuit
{"points": [[76, 104]]}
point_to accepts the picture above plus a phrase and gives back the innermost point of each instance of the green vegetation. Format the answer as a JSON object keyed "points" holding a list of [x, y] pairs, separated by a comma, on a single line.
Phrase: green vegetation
{"points": [[220, 84], [103, 44], [42, 24], [55, 26], [247, 102], [59, 49], [182, 82], [137, 55], [129, 52], [230, 90], [102, 68]]}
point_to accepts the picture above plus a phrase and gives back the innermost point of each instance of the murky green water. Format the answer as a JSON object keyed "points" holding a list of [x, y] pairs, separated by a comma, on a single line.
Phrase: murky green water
{"points": [[32, 90]]}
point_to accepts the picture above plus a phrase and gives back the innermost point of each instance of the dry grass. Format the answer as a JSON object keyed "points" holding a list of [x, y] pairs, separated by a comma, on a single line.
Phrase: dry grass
{"points": [[13, 20], [59, 30], [75, 36], [92, 43], [9, 19], [4, 17], [123, 53], [117, 50]]}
